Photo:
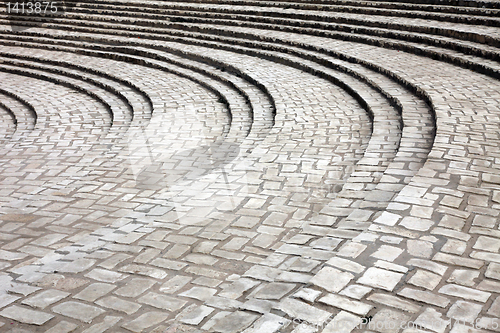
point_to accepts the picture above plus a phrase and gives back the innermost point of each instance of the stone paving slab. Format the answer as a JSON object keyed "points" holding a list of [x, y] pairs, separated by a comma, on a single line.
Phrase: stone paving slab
{"points": [[229, 174]]}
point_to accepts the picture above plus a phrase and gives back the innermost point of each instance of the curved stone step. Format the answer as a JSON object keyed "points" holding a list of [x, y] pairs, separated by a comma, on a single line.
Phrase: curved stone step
{"points": [[407, 177], [375, 141], [7, 121], [242, 117], [382, 132], [355, 10], [47, 120], [23, 112], [394, 145], [333, 22], [321, 5], [434, 50]]}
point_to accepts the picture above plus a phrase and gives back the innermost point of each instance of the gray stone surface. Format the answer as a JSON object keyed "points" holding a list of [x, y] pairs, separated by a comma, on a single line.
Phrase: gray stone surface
{"points": [[249, 167]]}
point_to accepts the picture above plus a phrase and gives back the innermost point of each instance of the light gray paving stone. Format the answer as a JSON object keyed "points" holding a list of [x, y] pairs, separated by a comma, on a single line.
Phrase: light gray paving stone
{"points": [[268, 323], [419, 248], [147, 256], [199, 293], [300, 310], [196, 315], [454, 246], [390, 266], [464, 277], [223, 303], [331, 279], [346, 264], [118, 304], [388, 253], [201, 259], [425, 297], [145, 321], [465, 292], [343, 322], [488, 285], [79, 311], [346, 304], [26, 316], [487, 243], [168, 264], [105, 325], [387, 321], [237, 288], [135, 287], [177, 251], [62, 327], [308, 294], [235, 322], [6, 299], [77, 266], [162, 301], [432, 320], [294, 277], [494, 309], [110, 263], [262, 273], [388, 218], [395, 302], [94, 291], [428, 265], [356, 291], [144, 270], [493, 271], [464, 311], [425, 279], [207, 282], [351, 250], [258, 305], [174, 284], [105, 275], [45, 298], [303, 265], [274, 291], [415, 223], [380, 278]]}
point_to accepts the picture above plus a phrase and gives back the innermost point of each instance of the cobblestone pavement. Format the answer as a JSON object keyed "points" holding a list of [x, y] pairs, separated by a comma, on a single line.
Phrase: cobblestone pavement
{"points": [[250, 166]]}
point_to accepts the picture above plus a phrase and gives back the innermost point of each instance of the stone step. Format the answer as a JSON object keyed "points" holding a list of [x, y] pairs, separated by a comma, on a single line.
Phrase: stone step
{"points": [[464, 16], [381, 135], [7, 121], [23, 113], [261, 111]]}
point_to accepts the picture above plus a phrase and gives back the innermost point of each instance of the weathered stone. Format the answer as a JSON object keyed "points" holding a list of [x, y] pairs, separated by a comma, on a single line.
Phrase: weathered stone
{"points": [[331, 279], [235, 322], [300, 310], [344, 303], [118, 304], [380, 278], [144, 321], [162, 301], [26, 316], [464, 292], [79, 311], [45, 298], [464, 311]]}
